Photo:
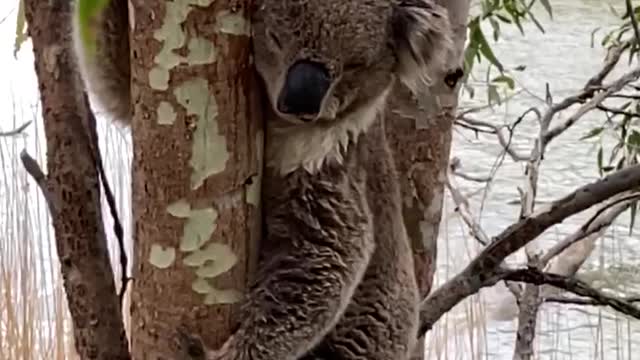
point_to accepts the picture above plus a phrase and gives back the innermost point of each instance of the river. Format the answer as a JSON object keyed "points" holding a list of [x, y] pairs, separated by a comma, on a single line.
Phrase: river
{"points": [[482, 327]]}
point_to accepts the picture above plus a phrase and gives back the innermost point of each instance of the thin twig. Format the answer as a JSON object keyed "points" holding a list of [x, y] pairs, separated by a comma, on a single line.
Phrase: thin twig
{"points": [[573, 285], [94, 145], [15, 131], [493, 129], [617, 111], [593, 103], [584, 301], [482, 271], [634, 23], [598, 222], [33, 169], [462, 207]]}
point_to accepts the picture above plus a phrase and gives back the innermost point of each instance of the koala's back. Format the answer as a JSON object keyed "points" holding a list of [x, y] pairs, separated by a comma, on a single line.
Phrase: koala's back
{"points": [[380, 322]]}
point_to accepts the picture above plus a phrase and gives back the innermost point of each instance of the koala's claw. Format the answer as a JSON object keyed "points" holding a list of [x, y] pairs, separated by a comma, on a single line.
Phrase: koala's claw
{"points": [[190, 347]]}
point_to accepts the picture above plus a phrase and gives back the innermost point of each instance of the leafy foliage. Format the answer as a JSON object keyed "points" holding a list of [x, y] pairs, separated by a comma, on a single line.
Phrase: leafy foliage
{"points": [[496, 13], [621, 121]]}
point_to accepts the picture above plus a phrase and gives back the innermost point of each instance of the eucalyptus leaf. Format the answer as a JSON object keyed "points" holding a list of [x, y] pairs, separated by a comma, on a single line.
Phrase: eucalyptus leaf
{"points": [[593, 133], [505, 79], [547, 6], [21, 29]]}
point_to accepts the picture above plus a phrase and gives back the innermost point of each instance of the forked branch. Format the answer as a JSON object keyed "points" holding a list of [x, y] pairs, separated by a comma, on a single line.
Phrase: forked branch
{"points": [[484, 270]]}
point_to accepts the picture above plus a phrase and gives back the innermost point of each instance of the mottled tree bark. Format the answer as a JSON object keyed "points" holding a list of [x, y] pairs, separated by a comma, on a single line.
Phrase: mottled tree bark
{"points": [[419, 130], [72, 187], [527, 320], [197, 148]]}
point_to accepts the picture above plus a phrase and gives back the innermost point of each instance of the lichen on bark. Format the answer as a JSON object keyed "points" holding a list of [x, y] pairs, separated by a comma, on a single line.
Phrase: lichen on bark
{"points": [[196, 118]]}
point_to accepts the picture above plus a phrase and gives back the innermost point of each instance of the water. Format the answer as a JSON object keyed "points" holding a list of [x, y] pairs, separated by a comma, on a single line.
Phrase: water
{"points": [[563, 58]]}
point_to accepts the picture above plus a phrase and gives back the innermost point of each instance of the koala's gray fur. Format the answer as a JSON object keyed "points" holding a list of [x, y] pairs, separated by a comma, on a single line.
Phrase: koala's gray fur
{"points": [[336, 276]]}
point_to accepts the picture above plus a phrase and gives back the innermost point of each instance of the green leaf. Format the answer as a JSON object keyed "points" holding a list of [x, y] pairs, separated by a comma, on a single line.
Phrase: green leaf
{"points": [[533, 18], [512, 10], [496, 28], [505, 79], [484, 48], [469, 59], [503, 18], [599, 159], [547, 7], [634, 139], [593, 133], [21, 29]]}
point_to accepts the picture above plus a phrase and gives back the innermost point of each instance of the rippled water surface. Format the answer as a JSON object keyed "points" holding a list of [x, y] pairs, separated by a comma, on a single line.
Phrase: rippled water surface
{"points": [[564, 58], [481, 328]]}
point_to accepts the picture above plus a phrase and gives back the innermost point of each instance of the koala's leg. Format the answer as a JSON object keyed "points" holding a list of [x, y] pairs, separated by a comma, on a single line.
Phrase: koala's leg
{"points": [[378, 325], [319, 243], [106, 72]]}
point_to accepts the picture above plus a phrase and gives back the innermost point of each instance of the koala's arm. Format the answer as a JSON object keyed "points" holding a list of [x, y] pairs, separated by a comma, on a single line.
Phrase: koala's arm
{"points": [[318, 247], [106, 71]]}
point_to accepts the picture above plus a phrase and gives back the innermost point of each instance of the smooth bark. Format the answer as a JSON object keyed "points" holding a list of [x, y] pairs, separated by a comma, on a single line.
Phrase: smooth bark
{"points": [[419, 131]]}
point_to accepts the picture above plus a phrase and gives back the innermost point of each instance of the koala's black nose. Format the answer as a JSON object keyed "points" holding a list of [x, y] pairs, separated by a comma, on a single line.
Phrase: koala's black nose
{"points": [[304, 88]]}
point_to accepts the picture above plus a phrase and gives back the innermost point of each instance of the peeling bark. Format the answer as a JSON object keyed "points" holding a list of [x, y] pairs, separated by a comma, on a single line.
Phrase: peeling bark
{"points": [[197, 148], [72, 187]]}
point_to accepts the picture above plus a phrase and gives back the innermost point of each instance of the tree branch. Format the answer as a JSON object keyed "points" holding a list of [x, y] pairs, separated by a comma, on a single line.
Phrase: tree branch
{"points": [[493, 129], [15, 131], [33, 169], [585, 301], [573, 285], [462, 206], [483, 270], [593, 103], [617, 111], [72, 179], [601, 220]]}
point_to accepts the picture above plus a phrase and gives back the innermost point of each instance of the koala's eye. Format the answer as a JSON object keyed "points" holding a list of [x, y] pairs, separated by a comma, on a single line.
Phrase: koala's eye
{"points": [[274, 38]]}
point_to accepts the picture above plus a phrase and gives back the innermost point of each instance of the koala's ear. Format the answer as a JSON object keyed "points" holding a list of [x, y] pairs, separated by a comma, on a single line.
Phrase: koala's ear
{"points": [[421, 38]]}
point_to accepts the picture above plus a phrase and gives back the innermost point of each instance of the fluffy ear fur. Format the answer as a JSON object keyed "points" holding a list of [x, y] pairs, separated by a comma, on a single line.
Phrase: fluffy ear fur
{"points": [[422, 39]]}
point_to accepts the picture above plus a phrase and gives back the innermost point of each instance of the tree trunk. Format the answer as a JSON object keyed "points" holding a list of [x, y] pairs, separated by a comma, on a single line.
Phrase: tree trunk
{"points": [[71, 187], [197, 144], [419, 131]]}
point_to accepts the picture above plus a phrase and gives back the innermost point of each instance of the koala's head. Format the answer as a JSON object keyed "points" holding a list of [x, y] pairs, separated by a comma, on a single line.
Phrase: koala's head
{"points": [[322, 58]]}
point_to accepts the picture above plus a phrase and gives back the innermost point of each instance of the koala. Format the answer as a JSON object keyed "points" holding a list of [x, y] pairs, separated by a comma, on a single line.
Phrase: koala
{"points": [[335, 277]]}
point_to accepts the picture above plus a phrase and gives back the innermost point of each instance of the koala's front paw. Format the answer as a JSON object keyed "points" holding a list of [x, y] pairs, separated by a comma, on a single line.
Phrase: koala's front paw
{"points": [[191, 347]]}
